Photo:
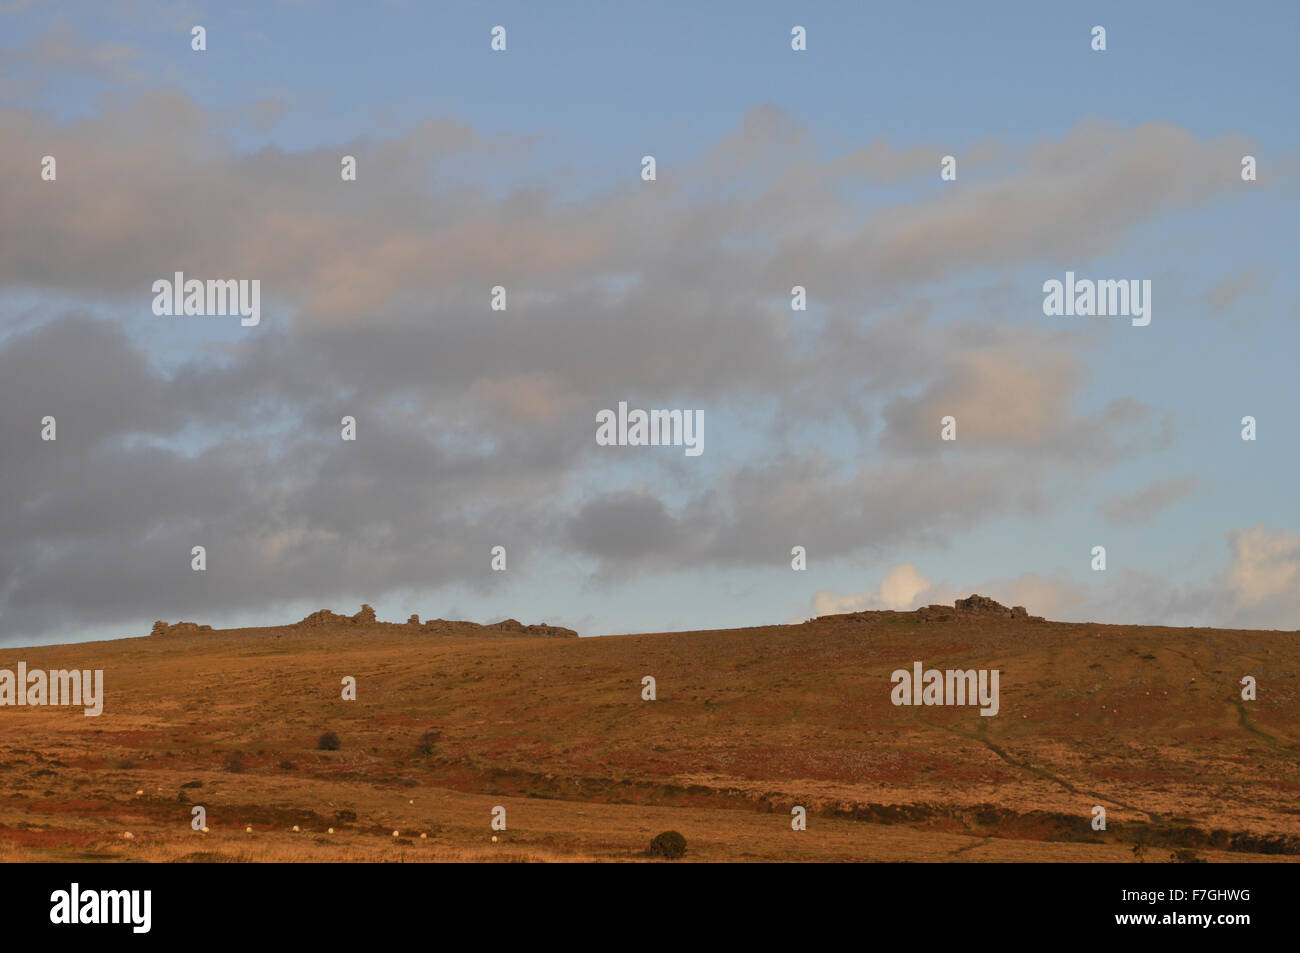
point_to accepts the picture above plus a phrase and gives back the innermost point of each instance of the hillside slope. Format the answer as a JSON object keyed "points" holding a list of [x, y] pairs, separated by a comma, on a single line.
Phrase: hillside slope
{"points": [[452, 721]]}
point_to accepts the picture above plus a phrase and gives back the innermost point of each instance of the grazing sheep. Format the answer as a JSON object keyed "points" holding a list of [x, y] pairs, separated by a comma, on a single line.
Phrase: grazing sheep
{"points": [[128, 835], [248, 830], [295, 828], [330, 831], [395, 833]]}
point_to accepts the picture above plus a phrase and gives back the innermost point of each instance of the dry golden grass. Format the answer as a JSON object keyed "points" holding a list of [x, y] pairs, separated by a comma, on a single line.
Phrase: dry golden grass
{"points": [[1144, 721]]}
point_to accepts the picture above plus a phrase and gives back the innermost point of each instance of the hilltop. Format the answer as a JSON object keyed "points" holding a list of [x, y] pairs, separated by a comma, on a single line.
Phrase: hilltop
{"points": [[1147, 722]]}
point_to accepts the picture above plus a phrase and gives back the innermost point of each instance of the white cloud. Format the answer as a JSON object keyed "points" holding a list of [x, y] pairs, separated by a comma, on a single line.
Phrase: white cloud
{"points": [[1264, 578], [899, 589]]}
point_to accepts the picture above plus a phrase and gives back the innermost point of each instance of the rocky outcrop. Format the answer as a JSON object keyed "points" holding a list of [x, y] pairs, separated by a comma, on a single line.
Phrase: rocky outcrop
{"points": [[550, 631], [504, 627], [975, 606], [978, 603], [179, 628], [324, 618]]}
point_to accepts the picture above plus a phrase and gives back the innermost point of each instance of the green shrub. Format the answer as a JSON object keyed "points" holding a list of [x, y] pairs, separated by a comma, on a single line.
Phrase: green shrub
{"points": [[669, 845]]}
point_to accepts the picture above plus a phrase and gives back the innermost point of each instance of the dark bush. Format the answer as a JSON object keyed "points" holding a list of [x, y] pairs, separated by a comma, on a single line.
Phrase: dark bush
{"points": [[428, 742], [286, 765], [345, 816], [669, 845], [328, 742], [235, 763]]}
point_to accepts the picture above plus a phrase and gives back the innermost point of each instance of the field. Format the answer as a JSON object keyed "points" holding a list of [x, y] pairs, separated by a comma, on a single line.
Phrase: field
{"points": [[453, 720]]}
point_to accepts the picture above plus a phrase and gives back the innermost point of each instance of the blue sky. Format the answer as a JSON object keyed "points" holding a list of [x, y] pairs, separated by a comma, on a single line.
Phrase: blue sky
{"points": [[559, 123]]}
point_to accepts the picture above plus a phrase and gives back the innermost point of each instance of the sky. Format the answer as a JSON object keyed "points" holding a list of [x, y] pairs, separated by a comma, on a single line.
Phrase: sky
{"points": [[522, 168]]}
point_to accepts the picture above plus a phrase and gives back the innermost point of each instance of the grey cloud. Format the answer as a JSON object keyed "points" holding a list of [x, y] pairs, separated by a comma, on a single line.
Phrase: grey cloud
{"points": [[752, 516], [1229, 289], [1147, 503], [476, 427]]}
